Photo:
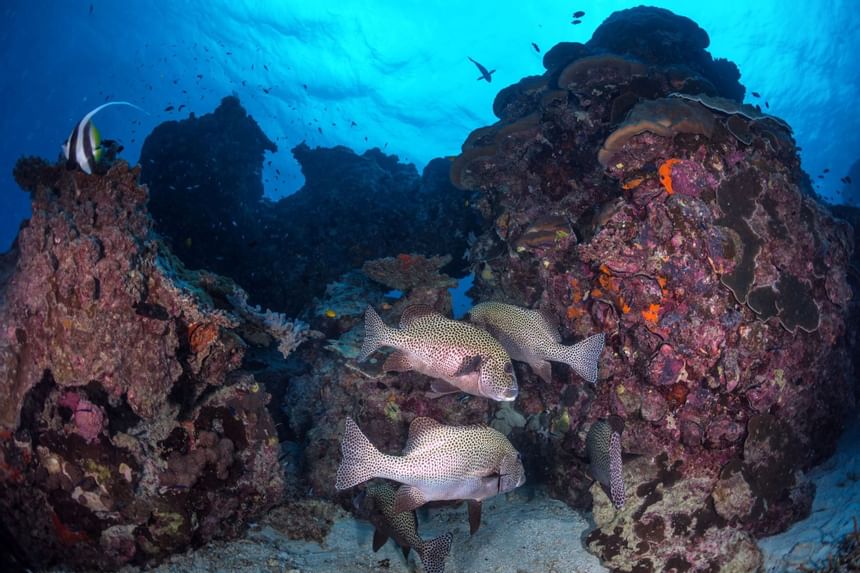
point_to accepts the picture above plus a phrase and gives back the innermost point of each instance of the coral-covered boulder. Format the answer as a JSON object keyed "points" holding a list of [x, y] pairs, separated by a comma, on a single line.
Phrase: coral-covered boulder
{"points": [[722, 285], [204, 178], [657, 36], [128, 429]]}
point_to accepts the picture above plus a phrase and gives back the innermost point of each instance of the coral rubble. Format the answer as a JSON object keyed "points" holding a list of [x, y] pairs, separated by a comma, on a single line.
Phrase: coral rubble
{"points": [[204, 178], [128, 429], [698, 247]]}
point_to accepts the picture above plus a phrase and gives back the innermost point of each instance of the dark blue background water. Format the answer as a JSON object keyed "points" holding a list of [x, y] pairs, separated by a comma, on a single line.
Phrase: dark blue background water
{"points": [[307, 70]]}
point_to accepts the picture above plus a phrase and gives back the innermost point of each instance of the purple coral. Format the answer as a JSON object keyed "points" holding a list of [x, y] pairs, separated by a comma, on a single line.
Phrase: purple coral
{"points": [[89, 419]]}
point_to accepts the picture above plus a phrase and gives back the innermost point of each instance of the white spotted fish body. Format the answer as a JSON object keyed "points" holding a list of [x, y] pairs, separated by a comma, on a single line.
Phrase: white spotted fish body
{"points": [[603, 443], [529, 336], [460, 356], [379, 501], [438, 463]]}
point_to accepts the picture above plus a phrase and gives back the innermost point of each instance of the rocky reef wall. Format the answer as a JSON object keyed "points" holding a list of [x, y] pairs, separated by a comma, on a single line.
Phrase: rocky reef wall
{"points": [[633, 194], [204, 177], [128, 429]]}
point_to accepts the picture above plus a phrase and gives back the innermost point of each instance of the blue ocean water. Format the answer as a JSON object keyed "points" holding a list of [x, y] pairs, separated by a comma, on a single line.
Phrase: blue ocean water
{"points": [[306, 71], [397, 76]]}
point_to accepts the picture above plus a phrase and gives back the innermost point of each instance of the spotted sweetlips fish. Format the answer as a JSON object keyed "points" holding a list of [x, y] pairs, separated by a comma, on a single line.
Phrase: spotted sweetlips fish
{"points": [[377, 501], [603, 443], [530, 336], [460, 356], [439, 462]]}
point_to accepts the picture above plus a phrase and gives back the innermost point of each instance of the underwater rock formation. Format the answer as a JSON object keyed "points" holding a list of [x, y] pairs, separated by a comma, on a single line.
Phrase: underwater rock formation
{"points": [[128, 429], [204, 177], [687, 232]]}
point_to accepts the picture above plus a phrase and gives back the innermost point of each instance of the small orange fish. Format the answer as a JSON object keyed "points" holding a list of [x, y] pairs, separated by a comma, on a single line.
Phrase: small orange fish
{"points": [[329, 313], [633, 183]]}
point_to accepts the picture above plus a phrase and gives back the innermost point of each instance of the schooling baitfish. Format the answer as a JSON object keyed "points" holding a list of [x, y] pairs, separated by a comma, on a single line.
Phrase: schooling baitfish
{"points": [[439, 462], [462, 357], [530, 336]]}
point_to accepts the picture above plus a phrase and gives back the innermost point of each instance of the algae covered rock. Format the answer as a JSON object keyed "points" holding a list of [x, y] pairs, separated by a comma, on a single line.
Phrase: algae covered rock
{"points": [[697, 246], [128, 429]]}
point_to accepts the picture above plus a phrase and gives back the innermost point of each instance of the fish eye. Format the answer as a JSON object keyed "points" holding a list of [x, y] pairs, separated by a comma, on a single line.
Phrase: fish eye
{"points": [[509, 369]]}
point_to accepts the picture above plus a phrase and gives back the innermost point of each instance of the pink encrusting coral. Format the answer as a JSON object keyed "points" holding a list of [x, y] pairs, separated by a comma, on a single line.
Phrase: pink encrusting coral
{"points": [[88, 418], [719, 280], [128, 430]]}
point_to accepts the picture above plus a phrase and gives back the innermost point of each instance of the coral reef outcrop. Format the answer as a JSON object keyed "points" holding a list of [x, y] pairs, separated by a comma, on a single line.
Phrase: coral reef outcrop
{"points": [[204, 177], [128, 428], [697, 246]]}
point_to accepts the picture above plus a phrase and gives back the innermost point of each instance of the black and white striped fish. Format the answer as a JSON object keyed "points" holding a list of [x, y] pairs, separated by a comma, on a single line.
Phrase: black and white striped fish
{"points": [[83, 147]]}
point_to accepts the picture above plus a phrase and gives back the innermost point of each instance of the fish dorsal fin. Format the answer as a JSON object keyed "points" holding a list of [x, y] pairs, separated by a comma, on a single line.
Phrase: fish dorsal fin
{"points": [[468, 365], [414, 312], [551, 320], [379, 539], [420, 433], [90, 115]]}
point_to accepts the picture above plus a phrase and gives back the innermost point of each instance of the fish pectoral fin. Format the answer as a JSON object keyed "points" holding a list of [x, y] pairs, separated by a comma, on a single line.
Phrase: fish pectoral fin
{"points": [[407, 498], [543, 369], [379, 539], [474, 516], [441, 388], [397, 361], [469, 365]]}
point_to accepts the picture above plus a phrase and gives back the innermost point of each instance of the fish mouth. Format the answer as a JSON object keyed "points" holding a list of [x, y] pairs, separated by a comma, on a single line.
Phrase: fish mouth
{"points": [[509, 395]]}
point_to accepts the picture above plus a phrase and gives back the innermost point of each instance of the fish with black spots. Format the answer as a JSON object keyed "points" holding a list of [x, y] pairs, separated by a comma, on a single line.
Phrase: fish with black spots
{"points": [[461, 357], [603, 443], [377, 502], [531, 336], [485, 74], [439, 462]]}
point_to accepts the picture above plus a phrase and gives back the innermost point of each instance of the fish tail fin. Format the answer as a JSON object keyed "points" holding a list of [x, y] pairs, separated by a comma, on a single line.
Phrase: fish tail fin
{"points": [[361, 460], [375, 334], [433, 553], [584, 356]]}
